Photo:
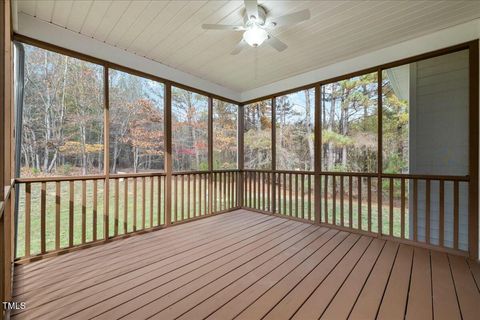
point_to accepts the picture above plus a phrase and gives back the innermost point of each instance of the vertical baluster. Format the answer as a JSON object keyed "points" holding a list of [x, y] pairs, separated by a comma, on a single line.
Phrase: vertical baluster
{"points": [[379, 206], [175, 198], [415, 211], [402, 208], [144, 211], [228, 190], [220, 191], [194, 195], [262, 179], [441, 217], [84, 211], [125, 205], [28, 211], [57, 215], [205, 196], [95, 209], [302, 193], [70, 214], [326, 198], [116, 195], [151, 200], [350, 202], [334, 202], [188, 197], [161, 197], [369, 199], [182, 196], [309, 203], [134, 204], [225, 190], [342, 195], [390, 222], [427, 211], [284, 193], [200, 194], [296, 195], [255, 192], [215, 192], [359, 198], [455, 213], [43, 206], [290, 191]]}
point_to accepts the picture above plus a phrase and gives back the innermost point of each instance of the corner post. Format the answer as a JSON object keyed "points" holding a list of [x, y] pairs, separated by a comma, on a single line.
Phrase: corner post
{"points": [[473, 157], [241, 155]]}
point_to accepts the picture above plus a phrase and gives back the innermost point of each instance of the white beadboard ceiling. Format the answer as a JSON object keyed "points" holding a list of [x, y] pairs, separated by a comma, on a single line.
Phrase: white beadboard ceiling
{"points": [[170, 32]]}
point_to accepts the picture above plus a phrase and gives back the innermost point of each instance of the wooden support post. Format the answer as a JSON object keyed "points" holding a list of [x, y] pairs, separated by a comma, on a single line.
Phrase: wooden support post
{"points": [[274, 151], [241, 157], [473, 154], [168, 153], [210, 155], [318, 156], [106, 154]]}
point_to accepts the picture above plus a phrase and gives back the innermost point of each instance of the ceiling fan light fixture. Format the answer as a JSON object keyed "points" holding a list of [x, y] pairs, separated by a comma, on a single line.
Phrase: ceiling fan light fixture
{"points": [[255, 36]]}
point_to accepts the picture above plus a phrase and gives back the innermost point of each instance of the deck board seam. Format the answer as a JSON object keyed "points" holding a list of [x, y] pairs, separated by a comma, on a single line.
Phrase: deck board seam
{"points": [[199, 244], [313, 230], [333, 269], [366, 280], [219, 239], [300, 280], [194, 270], [409, 285], [286, 274], [348, 276], [149, 237], [455, 287], [386, 282], [325, 230], [297, 227]]}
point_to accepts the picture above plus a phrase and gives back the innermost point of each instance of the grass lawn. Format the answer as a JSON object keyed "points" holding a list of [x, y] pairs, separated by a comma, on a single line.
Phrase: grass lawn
{"points": [[77, 216]]}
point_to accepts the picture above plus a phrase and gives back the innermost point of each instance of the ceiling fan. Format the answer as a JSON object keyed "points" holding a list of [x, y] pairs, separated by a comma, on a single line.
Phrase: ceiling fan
{"points": [[257, 26]]}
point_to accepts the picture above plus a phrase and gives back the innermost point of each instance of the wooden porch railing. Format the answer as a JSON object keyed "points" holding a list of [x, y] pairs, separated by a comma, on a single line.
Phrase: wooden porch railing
{"points": [[430, 211], [57, 215]]}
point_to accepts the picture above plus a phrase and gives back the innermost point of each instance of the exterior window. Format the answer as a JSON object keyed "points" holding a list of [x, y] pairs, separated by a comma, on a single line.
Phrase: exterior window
{"points": [[189, 130], [136, 123], [258, 135], [295, 122], [62, 125], [225, 127], [349, 124]]}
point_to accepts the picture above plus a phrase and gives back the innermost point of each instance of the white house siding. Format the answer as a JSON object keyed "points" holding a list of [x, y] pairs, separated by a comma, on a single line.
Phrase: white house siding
{"points": [[439, 139]]}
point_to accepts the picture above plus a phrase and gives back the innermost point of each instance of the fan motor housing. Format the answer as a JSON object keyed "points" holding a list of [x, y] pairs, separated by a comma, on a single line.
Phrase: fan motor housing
{"points": [[262, 15]]}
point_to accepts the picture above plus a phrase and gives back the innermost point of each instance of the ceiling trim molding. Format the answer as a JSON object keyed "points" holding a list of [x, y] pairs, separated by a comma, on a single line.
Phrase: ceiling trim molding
{"points": [[433, 41], [47, 32]]}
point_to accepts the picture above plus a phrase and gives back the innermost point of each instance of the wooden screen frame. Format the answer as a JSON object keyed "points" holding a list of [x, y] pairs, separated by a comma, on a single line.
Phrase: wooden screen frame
{"points": [[471, 178]]}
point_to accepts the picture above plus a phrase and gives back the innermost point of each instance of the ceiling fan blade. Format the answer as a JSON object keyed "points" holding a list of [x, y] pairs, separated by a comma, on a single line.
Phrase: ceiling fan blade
{"points": [[276, 43], [251, 7], [222, 27], [239, 47], [292, 18]]}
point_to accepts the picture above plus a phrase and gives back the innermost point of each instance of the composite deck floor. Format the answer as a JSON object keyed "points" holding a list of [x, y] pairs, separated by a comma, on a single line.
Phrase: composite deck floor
{"points": [[246, 265]]}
